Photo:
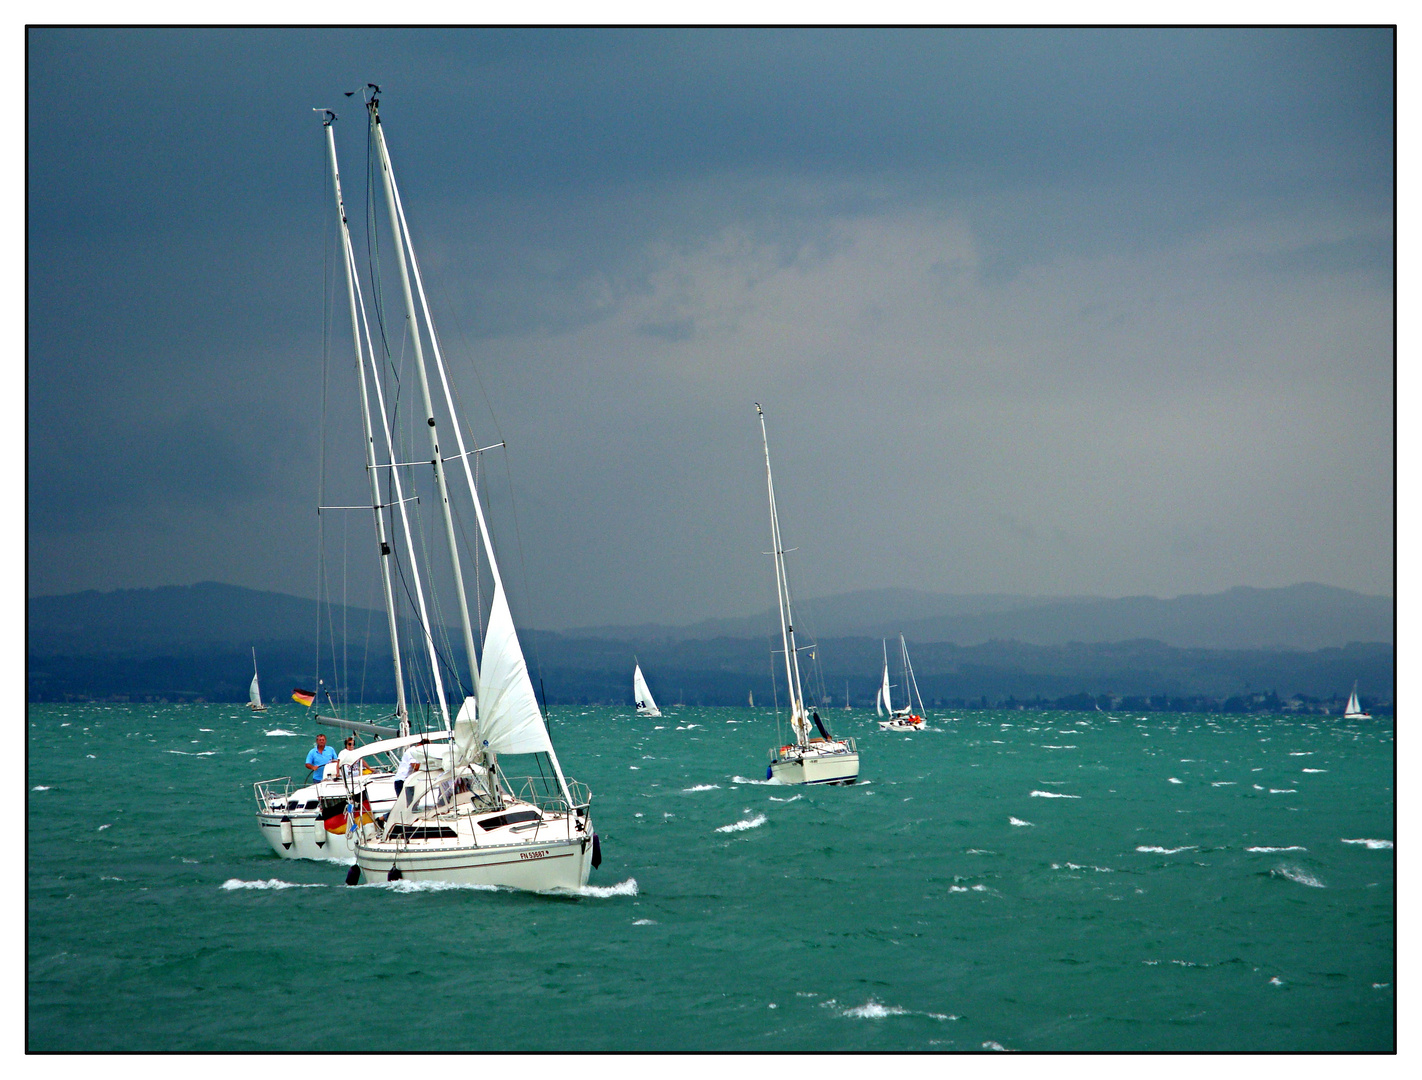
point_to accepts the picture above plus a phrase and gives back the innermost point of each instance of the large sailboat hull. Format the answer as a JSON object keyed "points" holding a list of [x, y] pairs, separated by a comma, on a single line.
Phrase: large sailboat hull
{"points": [[816, 769], [544, 866], [287, 819]]}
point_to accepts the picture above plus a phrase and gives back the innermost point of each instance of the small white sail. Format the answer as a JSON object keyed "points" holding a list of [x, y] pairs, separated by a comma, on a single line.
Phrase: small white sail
{"points": [[254, 693], [509, 719], [642, 695], [884, 690]]}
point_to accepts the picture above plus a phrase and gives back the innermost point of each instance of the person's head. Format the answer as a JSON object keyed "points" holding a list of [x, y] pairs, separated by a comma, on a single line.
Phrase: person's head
{"points": [[350, 742], [320, 742]]}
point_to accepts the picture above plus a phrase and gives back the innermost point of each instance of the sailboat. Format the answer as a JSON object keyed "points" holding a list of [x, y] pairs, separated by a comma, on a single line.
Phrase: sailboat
{"points": [[846, 696], [904, 719], [461, 818], [820, 759], [1353, 710], [750, 699], [641, 695], [254, 692]]}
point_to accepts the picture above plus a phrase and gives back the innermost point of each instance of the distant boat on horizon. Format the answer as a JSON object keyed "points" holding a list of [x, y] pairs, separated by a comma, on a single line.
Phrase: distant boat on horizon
{"points": [[254, 692], [641, 695], [1353, 710]]}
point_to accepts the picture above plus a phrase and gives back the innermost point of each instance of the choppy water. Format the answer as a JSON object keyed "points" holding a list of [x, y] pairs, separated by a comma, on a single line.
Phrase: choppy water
{"points": [[1018, 880]]}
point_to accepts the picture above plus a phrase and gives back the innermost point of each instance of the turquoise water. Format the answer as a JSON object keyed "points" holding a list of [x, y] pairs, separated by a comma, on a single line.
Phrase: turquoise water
{"points": [[1019, 880]]}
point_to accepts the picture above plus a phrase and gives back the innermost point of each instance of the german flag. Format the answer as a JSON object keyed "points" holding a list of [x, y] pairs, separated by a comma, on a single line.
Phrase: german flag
{"points": [[303, 697]]}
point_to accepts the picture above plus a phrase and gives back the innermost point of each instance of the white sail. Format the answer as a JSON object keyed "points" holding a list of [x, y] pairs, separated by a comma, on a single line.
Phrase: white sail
{"points": [[254, 693], [884, 689], [642, 695], [509, 721]]}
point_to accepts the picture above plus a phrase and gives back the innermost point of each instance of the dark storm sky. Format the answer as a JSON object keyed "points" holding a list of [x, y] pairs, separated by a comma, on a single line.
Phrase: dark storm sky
{"points": [[1050, 312]]}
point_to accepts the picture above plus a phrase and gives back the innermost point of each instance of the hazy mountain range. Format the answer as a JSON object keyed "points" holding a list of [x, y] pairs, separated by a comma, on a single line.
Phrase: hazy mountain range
{"points": [[211, 615]]}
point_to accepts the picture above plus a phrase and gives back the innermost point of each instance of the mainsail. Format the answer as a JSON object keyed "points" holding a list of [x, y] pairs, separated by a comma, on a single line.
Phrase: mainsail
{"points": [[254, 693], [642, 695]]}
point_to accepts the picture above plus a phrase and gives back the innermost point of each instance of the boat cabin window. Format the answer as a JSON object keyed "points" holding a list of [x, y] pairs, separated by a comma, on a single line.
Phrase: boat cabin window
{"points": [[311, 804], [500, 820], [422, 832]]}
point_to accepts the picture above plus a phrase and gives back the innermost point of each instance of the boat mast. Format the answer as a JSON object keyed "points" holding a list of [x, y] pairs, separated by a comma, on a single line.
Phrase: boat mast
{"points": [[911, 687], [413, 328], [782, 594], [397, 213], [383, 545]]}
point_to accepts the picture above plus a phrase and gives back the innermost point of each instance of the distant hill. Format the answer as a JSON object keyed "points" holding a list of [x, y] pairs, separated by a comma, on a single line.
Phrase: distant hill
{"points": [[210, 615], [1294, 617]]}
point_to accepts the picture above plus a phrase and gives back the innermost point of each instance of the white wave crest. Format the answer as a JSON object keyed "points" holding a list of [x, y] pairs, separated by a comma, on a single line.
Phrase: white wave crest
{"points": [[279, 731], [872, 1010], [1315, 770], [207, 729], [644, 922], [1017, 821], [1222, 783], [1300, 875], [42, 787], [197, 753], [1175, 781], [1052, 795], [1165, 850], [602, 892], [703, 787], [743, 780], [741, 826], [1276, 981], [776, 798], [992, 1044], [1283, 791], [270, 883], [1300, 753], [1294, 847], [1373, 845]]}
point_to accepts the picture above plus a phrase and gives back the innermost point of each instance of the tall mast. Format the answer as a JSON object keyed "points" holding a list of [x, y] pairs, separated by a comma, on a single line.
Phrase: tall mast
{"points": [[413, 328], [397, 212], [383, 545], [782, 593]]}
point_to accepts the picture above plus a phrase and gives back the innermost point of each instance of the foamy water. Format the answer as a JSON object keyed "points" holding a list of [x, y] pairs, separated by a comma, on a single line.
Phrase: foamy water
{"points": [[741, 826], [1052, 795], [1372, 845]]}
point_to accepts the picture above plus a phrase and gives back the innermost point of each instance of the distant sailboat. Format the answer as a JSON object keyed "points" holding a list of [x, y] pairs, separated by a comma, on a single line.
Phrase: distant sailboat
{"points": [[820, 759], [846, 696], [254, 692], [904, 719], [1353, 710], [750, 700], [641, 695]]}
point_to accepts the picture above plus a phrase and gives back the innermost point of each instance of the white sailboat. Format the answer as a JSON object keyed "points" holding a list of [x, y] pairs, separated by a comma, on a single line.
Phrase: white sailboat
{"points": [[460, 818], [254, 692], [846, 696], [819, 759], [1353, 710], [904, 719], [641, 695]]}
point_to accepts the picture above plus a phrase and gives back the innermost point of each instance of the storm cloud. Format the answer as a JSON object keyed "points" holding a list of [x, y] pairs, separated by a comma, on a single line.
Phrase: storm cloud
{"points": [[1030, 311]]}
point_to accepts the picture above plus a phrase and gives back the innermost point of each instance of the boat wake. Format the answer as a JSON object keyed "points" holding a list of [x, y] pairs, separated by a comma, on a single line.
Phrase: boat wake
{"points": [[281, 731], [603, 892], [874, 1010], [743, 780], [703, 787]]}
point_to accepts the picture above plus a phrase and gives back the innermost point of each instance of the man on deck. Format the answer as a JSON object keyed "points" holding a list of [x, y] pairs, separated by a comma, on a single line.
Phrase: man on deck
{"points": [[321, 756]]}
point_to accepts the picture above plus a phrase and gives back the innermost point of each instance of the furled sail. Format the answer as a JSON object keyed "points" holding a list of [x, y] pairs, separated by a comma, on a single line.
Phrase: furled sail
{"points": [[642, 695], [509, 719]]}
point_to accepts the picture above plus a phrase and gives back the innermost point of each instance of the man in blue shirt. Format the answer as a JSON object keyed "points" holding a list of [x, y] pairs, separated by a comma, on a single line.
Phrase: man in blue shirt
{"points": [[319, 758]]}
